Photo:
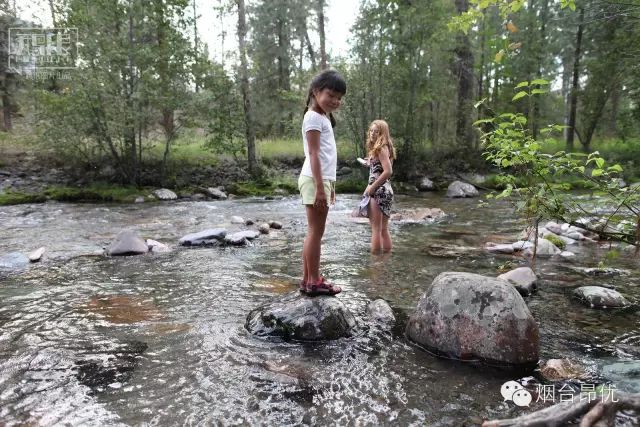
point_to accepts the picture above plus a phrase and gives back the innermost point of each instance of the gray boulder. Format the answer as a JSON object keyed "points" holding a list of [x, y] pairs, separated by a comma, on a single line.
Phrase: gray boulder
{"points": [[241, 237], [380, 312], [210, 236], [459, 189], [216, 193], [157, 247], [499, 248], [472, 317], [295, 316], [165, 194], [599, 297], [544, 249], [522, 278], [264, 228], [127, 242], [426, 184]]}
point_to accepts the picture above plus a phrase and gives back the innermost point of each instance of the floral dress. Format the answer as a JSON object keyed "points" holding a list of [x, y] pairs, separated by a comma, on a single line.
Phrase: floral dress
{"points": [[383, 194]]}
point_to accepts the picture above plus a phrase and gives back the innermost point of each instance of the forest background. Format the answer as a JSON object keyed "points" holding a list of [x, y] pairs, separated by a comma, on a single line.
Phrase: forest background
{"points": [[146, 105]]}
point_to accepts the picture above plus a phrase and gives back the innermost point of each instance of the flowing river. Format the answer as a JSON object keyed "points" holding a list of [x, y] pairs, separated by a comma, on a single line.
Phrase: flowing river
{"points": [[159, 339]]}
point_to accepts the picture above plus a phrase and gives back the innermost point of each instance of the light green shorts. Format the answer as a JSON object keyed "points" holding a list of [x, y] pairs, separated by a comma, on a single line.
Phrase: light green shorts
{"points": [[307, 187]]}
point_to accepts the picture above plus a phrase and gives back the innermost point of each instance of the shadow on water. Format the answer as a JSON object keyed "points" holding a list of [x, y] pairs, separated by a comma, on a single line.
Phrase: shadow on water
{"points": [[160, 338]]}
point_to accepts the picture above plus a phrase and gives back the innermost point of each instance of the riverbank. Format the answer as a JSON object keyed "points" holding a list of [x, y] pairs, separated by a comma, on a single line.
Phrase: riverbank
{"points": [[30, 175]]}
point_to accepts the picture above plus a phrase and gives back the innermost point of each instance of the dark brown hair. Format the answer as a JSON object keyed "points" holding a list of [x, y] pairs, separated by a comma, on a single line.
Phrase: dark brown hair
{"points": [[328, 79]]}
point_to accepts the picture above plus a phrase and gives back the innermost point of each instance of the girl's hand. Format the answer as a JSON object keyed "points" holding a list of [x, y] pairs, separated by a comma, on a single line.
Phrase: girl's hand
{"points": [[333, 197], [321, 199], [369, 191]]}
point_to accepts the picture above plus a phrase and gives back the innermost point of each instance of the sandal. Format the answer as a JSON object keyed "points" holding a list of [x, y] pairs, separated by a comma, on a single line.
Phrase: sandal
{"points": [[303, 286], [321, 287]]}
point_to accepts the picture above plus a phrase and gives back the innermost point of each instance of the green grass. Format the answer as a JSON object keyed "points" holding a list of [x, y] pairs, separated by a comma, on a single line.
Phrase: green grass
{"points": [[288, 149], [264, 187]]}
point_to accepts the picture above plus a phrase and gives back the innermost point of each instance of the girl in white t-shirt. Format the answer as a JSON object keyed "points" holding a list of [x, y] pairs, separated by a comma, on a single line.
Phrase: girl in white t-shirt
{"points": [[318, 175]]}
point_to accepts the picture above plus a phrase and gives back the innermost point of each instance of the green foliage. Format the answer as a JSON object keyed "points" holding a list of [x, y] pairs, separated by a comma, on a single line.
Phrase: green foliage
{"points": [[530, 176], [505, 8], [556, 241], [351, 185]]}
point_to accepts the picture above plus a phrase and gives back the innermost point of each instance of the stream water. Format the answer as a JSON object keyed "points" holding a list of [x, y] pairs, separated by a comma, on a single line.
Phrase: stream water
{"points": [[160, 338]]}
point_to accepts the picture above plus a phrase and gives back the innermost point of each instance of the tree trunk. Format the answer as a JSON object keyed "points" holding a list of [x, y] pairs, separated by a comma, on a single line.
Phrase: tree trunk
{"points": [[573, 105], [323, 51], [244, 87], [464, 73], [195, 44], [312, 54], [566, 86], [541, 50]]}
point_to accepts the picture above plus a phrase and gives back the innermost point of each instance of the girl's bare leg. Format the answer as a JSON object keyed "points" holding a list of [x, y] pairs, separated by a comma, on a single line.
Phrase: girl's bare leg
{"points": [[316, 220], [385, 236], [375, 220]]}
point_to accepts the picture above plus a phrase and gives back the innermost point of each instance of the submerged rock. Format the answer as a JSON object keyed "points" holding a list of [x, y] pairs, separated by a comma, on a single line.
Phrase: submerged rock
{"points": [[416, 215], [206, 237], [299, 317], [461, 189], [562, 369], [380, 312], [472, 317], [13, 261], [127, 243], [599, 297], [522, 278]]}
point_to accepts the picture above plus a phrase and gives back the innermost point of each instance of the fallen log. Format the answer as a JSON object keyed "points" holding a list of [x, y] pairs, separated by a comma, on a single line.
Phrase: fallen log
{"points": [[597, 412]]}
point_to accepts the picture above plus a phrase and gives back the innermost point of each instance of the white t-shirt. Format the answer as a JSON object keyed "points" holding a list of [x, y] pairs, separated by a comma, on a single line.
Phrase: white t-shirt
{"points": [[328, 151]]}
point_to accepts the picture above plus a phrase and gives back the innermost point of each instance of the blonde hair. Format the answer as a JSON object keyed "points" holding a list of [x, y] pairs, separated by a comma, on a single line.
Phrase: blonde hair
{"points": [[383, 138]]}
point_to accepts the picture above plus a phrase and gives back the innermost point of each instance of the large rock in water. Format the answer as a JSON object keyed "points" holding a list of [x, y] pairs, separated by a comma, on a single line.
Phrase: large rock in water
{"points": [[468, 316], [461, 189], [600, 297], [303, 318], [128, 243]]}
